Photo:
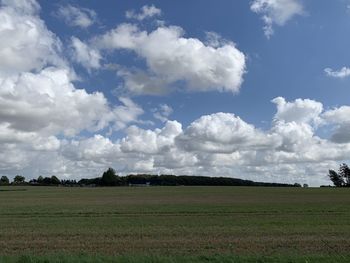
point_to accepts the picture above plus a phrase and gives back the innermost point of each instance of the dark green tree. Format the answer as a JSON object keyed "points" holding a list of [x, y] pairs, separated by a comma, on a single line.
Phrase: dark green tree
{"points": [[55, 180], [4, 180], [344, 172], [335, 178], [40, 179], [342, 177], [19, 179], [110, 178]]}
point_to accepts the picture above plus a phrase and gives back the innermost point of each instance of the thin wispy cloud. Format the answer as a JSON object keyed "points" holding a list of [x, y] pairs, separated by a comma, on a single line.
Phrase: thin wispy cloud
{"points": [[147, 11], [77, 16], [342, 73]]}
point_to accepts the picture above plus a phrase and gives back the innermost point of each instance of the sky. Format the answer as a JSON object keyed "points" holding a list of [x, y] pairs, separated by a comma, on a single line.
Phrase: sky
{"points": [[255, 89]]}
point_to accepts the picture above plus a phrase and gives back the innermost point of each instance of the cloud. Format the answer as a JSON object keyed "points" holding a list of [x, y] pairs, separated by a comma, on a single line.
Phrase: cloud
{"points": [[49, 102], [50, 126], [222, 144], [222, 133], [293, 136], [341, 133], [139, 82], [339, 118], [171, 58], [277, 12], [96, 148], [151, 142], [214, 39], [25, 42], [147, 11], [162, 112], [342, 73], [77, 16], [299, 111], [125, 114], [38, 101], [22, 6], [85, 55], [216, 144]]}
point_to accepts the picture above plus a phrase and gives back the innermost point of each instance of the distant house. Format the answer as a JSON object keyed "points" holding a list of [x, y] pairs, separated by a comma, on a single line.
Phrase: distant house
{"points": [[140, 185]]}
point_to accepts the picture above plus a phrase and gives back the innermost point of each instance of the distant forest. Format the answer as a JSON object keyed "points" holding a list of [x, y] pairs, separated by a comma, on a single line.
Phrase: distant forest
{"points": [[110, 178]]}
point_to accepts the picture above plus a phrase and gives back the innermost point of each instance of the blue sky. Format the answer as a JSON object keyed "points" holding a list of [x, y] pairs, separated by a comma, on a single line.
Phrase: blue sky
{"points": [[290, 64], [250, 89]]}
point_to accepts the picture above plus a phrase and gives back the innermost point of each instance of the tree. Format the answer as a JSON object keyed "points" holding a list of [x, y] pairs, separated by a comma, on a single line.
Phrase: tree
{"points": [[342, 177], [40, 179], [4, 180], [19, 179], [109, 178], [55, 180], [344, 172]]}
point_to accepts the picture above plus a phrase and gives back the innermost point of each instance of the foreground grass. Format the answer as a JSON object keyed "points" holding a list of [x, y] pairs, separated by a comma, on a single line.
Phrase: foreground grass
{"points": [[182, 223], [173, 259]]}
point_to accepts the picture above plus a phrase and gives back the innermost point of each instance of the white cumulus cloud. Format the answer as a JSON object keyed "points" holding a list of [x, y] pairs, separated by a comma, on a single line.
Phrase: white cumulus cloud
{"points": [[340, 118], [171, 58], [216, 144], [38, 101], [300, 110], [222, 133], [25, 42]]}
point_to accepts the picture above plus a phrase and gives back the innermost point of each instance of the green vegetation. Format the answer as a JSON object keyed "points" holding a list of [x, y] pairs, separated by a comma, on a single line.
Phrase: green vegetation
{"points": [[4, 180], [19, 179], [110, 178], [342, 177], [240, 224], [173, 259]]}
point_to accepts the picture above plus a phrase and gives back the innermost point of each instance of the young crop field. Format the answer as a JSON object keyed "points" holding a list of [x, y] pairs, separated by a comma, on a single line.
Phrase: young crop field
{"points": [[184, 224]]}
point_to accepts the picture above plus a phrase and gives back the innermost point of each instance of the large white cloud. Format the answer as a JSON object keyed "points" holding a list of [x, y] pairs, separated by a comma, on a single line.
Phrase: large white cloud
{"points": [[300, 110], [276, 12], [49, 102], [148, 141], [223, 144], [25, 42], [22, 6], [38, 100], [340, 119], [217, 144], [171, 58], [222, 133], [48, 125]]}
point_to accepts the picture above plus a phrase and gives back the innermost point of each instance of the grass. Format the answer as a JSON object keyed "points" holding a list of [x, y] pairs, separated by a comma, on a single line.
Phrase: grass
{"points": [[172, 259], [174, 224]]}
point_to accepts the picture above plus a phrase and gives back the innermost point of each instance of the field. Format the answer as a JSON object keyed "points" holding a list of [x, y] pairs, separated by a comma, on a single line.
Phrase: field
{"points": [[177, 224]]}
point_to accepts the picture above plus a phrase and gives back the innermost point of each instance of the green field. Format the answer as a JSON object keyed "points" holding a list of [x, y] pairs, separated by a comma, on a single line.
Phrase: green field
{"points": [[177, 224]]}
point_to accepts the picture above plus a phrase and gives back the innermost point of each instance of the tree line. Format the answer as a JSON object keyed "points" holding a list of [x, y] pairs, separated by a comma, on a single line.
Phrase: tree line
{"points": [[110, 178]]}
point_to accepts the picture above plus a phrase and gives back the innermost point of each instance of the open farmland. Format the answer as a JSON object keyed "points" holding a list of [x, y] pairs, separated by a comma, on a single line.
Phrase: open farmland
{"points": [[176, 222]]}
